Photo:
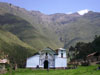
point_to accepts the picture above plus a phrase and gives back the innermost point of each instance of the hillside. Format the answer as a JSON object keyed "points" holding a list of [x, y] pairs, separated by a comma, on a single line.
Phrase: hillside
{"points": [[55, 30], [13, 48], [26, 27], [72, 28], [83, 29]]}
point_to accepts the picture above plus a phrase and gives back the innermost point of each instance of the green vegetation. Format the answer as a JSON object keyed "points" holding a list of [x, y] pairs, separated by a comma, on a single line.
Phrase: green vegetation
{"points": [[89, 70], [28, 27], [81, 49], [25, 31], [13, 48]]}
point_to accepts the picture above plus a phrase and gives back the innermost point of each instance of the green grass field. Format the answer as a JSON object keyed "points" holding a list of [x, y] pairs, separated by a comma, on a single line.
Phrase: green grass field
{"points": [[90, 70]]}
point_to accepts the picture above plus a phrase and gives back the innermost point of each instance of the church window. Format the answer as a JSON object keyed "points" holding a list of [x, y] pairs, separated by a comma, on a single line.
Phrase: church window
{"points": [[46, 54], [61, 53]]}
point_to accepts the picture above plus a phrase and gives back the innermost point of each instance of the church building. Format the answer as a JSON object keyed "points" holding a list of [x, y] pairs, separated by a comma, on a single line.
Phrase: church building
{"points": [[48, 58]]}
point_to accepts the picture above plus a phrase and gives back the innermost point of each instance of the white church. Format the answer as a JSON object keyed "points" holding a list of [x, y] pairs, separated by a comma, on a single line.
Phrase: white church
{"points": [[48, 58]]}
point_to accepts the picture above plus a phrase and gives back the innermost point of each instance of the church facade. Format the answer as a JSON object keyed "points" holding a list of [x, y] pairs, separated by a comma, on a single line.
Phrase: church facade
{"points": [[48, 58]]}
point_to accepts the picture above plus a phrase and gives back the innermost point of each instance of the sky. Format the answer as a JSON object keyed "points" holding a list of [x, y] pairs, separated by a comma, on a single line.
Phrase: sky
{"points": [[56, 6]]}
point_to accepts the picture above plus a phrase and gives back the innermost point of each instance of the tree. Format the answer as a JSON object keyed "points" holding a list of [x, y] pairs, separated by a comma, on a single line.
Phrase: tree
{"points": [[81, 49]]}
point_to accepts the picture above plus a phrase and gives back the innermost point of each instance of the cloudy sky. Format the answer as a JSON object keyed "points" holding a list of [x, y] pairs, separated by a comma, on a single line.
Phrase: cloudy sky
{"points": [[56, 6]]}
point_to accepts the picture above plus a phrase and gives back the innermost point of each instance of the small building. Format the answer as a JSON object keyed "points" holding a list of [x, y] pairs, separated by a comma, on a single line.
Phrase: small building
{"points": [[93, 57], [48, 58], [2, 63]]}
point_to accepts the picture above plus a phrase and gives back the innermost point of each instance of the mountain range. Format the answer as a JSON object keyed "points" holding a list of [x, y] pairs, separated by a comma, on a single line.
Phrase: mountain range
{"points": [[39, 30]]}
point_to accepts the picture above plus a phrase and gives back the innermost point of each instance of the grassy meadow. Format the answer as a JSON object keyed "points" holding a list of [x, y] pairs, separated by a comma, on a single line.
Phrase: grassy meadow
{"points": [[89, 70]]}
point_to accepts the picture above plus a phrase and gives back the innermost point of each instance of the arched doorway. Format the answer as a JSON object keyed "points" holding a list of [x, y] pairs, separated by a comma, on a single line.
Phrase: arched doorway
{"points": [[46, 64]]}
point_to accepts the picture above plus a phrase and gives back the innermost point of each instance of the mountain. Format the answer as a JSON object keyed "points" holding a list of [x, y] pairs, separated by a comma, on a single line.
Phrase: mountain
{"points": [[27, 27], [72, 28], [12, 48], [83, 29], [55, 30]]}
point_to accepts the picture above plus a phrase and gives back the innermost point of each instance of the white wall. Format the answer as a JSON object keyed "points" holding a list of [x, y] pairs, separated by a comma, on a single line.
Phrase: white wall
{"points": [[60, 62], [32, 62], [64, 53], [51, 61]]}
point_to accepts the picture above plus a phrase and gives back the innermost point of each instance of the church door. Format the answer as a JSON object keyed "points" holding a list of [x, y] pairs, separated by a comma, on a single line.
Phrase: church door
{"points": [[46, 64]]}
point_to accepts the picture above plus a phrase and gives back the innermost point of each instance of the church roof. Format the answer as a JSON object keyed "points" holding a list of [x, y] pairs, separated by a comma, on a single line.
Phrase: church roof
{"points": [[61, 49], [94, 54], [48, 49], [3, 61]]}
